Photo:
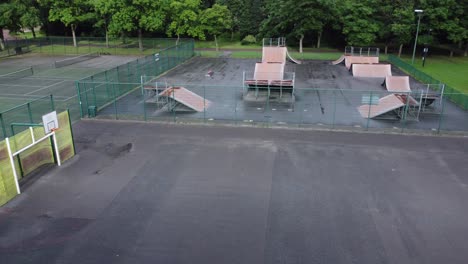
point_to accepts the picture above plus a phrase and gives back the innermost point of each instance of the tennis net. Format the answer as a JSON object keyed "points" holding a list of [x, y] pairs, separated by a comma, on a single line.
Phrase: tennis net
{"points": [[70, 61], [18, 74]]}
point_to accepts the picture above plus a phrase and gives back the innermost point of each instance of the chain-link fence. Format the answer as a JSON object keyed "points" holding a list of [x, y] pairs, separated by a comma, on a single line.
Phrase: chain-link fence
{"points": [[323, 108], [19, 117], [451, 93], [98, 90], [85, 45]]}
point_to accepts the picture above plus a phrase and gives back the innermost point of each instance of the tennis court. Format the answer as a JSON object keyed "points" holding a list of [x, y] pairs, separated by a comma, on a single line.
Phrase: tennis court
{"points": [[33, 76]]}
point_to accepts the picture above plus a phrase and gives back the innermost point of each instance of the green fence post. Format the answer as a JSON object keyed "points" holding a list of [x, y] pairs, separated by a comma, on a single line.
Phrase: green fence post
{"points": [[29, 113], [334, 109], [3, 125], [115, 102], [94, 94], [144, 109], [204, 104], [441, 114], [368, 114], [173, 109], [77, 85], [235, 105], [86, 98], [52, 103], [71, 131], [405, 112]]}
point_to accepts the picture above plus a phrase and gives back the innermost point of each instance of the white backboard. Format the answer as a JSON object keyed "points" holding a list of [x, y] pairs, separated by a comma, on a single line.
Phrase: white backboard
{"points": [[50, 122]]}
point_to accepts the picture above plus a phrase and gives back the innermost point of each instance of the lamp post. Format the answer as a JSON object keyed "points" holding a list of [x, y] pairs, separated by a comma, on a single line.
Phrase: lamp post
{"points": [[419, 12]]}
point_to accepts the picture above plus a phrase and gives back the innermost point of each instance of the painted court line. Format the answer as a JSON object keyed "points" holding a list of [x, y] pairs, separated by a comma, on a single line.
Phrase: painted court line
{"points": [[46, 87], [22, 96], [21, 85]]}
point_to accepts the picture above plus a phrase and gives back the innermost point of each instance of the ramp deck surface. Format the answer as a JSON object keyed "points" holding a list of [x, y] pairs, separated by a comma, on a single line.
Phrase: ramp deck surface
{"points": [[386, 104], [397, 84], [269, 71], [372, 70], [187, 98], [274, 54], [350, 60]]}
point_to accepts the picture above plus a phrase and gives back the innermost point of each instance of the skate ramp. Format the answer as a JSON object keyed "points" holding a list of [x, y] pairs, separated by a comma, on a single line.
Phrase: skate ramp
{"points": [[274, 54], [372, 70], [397, 84], [386, 104], [269, 71], [339, 60], [350, 60], [291, 58], [187, 98]]}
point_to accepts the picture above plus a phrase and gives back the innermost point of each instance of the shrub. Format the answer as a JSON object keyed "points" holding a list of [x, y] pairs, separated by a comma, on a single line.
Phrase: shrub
{"points": [[248, 40]]}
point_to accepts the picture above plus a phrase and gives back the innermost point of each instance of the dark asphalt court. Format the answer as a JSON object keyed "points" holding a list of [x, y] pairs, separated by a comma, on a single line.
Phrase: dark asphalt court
{"points": [[154, 193]]}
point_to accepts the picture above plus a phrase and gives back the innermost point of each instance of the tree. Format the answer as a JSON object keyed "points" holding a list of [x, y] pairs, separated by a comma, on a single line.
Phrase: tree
{"points": [[9, 19], [103, 10], [30, 14], [236, 8], [138, 15], [71, 13], [184, 19], [402, 26], [456, 24], [251, 17], [359, 24], [315, 15], [216, 20]]}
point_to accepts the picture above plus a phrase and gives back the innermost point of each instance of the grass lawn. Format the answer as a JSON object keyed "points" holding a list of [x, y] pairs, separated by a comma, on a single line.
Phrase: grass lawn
{"points": [[258, 55], [452, 71]]}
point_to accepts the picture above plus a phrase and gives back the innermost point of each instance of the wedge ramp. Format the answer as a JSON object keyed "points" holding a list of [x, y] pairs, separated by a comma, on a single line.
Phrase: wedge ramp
{"points": [[386, 104], [187, 98]]}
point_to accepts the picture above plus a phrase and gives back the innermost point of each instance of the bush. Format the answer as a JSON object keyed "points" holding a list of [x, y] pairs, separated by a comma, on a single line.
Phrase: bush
{"points": [[248, 40]]}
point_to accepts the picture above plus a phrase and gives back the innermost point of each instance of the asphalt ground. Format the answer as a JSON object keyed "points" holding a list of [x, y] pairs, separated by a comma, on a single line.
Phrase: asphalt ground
{"points": [[152, 193], [326, 96]]}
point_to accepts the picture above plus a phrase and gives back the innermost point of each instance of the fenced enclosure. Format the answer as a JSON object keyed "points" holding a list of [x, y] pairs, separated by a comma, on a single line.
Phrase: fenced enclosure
{"points": [[98, 90], [112, 46], [319, 108]]}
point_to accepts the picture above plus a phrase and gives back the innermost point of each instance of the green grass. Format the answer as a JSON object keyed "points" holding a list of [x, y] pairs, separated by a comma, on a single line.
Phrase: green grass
{"points": [[84, 49], [224, 44], [452, 71], [28, 35], [247, 54]]}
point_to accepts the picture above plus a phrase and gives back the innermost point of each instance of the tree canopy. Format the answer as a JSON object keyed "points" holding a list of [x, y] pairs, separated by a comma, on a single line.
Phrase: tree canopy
{"points": [[346, 22]]}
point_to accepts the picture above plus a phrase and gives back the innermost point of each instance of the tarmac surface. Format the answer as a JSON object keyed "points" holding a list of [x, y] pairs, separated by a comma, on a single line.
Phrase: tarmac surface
{"points": [[152, 193], [326, 95]]}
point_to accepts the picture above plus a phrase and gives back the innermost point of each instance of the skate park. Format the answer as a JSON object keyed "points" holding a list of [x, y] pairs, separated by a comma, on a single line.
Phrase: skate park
{"points": [[322, 94]]}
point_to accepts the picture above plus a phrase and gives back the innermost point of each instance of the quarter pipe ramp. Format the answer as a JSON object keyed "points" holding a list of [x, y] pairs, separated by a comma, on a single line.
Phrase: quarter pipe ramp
{"points": [[372, 70]]}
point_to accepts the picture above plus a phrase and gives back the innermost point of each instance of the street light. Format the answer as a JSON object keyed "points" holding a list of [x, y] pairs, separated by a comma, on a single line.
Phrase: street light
{"points": [[419, 12]]}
